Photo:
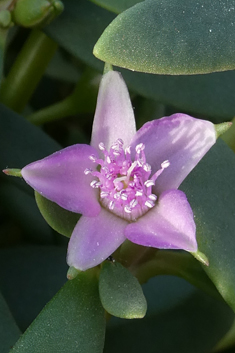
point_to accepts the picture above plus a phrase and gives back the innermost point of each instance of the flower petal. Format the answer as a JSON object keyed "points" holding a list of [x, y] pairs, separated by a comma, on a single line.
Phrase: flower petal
{"points": [[60, 178], [179, 138], [114, 116], [169, 225], [94, 239]]}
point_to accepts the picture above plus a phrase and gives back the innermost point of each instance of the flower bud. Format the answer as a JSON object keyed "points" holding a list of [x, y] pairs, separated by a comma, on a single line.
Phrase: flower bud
{"points": [[30, 13], [5, 19]]}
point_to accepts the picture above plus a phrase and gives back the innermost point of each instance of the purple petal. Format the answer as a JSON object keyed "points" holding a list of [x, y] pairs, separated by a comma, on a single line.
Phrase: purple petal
{"points": [[114, 117], [179, 138], [60, 178], [94, 239], [169, 225]]}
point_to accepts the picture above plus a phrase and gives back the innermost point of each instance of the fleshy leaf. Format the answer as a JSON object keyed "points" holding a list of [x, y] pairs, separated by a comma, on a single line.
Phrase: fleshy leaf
{"points": [[9, 332], [116, 6], [68, 321], [162, 37], [120, 293], [211, 95], [58, 218], [211, 194], [178, 320]]}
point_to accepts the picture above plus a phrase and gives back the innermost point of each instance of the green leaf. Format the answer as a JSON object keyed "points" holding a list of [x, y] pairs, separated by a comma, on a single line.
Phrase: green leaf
{"points": [[211, 95], [79, 27], [120, 293], [9, 332], [21, 142], [35, 273], [72, 322], [58, 218], [116, 6], [162, 37], [211, 193], [179, 319], [22, 208]]}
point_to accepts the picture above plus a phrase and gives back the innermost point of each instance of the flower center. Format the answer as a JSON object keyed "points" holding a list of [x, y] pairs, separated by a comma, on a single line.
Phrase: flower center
{"points": [[125, 185]]}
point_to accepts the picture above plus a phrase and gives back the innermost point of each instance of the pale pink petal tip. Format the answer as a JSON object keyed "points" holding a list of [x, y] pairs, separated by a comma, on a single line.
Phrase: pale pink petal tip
{"points": [[169, 225]]}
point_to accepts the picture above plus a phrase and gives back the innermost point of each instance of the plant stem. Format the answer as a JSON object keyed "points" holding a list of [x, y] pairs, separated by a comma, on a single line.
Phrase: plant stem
{"points": [[27, 70], [82, 100]]}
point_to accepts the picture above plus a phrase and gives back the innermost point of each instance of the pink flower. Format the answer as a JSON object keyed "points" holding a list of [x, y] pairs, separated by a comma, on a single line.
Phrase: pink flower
{"points": [[125, 184]]}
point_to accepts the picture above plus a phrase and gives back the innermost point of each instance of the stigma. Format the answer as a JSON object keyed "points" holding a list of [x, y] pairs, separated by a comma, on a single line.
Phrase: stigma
{"points": [[125, 183]]}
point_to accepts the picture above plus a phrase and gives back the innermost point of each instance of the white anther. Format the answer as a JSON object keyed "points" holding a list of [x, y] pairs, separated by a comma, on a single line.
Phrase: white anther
{"points": [[149, 183], [87, 171], [165, 164], [127, 209], [98, 184], [108, 160], [102, 146], [116, 153], [93, 158], [120, 142], [124, 197], [104, 194], [140, 147], [133, 203], [152, 197], [93, 183], [116, 196], [111, 205], [147, 167], [149, 204], [128, 150], [139, 193]]}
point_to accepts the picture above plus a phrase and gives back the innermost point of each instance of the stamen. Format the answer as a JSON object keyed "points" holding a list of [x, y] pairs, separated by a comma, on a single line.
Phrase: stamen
{"points": [[133, 203], [93, 158], [152, 197], [149, 204], [165, 164], [140, 147], [127, 209], [124, 197], [147, 167], [102, 146], [108, 160], [149, 183], [87, 171], [93, 183], [125, 184], [104, 194], [111, 205], [120, 142]]}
